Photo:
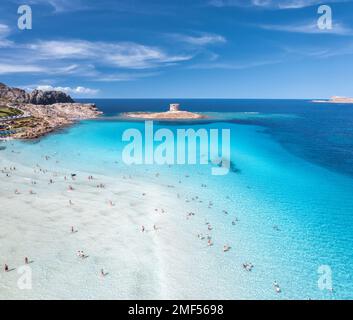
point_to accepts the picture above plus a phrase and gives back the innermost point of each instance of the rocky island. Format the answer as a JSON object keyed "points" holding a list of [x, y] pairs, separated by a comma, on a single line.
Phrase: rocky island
{"points": [[26, 115], [336, 99], [174, 113]]}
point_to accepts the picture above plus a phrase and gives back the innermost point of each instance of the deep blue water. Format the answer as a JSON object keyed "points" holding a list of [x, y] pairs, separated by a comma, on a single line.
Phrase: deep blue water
{"points": [[319, 132]]}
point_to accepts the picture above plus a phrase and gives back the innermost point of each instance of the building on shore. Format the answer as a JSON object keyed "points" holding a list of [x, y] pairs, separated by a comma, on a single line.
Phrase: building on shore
{"points": [[174, 107]]}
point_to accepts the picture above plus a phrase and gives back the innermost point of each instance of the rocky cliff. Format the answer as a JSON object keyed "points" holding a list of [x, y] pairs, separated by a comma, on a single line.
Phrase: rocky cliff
{"points": [[38, 97], [13, 94], [49, 97]]}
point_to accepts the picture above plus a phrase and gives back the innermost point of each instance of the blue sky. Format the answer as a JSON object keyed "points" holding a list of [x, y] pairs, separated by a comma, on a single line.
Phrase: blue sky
{"points": [[183, 48]]}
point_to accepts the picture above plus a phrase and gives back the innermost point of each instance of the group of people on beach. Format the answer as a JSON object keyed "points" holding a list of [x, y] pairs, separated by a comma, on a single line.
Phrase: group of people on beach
{"points": [[80, 253], [7, 268]]}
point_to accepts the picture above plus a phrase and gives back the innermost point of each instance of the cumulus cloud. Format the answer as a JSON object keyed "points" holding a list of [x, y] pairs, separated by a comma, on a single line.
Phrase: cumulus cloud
{"points": [[74, 91]]}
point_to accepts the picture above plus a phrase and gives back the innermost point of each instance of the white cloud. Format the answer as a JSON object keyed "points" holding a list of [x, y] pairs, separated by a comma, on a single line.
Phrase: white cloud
{"points": [[19, 68], [99, 61], [74, 91], [117, 77], [4, 33], [63, 49], [297, 4], [320, 52], [271, 4], [201, 40], [136, 56], [4, 30], [128, 55], [310, 28], [32, 66], [235, 66]]}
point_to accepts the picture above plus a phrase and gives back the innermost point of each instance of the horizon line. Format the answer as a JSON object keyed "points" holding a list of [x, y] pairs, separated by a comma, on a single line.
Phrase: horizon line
{"points": [[131, 98]]}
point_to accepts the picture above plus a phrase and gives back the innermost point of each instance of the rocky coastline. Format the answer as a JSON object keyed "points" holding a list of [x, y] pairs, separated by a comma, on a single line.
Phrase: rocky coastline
{"points": [[40, 112]]}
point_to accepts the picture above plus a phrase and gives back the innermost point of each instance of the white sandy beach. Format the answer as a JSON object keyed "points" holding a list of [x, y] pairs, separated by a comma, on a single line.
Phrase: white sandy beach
{"points": [[155, 264]]}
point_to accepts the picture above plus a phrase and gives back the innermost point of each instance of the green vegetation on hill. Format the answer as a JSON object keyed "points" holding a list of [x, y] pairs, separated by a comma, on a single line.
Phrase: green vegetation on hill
{"points": [[9, 112]]}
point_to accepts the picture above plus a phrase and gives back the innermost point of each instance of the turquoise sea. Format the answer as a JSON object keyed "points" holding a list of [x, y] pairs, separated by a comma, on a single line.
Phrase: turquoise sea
{"points": [[290, 190]]}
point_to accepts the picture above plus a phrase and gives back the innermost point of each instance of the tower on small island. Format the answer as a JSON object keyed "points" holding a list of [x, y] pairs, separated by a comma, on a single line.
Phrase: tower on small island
{"points": [[174, 107]]}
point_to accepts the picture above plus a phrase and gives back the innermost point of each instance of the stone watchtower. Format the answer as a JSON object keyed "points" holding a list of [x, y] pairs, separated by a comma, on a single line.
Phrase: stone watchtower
{"points": [[174, 107]]}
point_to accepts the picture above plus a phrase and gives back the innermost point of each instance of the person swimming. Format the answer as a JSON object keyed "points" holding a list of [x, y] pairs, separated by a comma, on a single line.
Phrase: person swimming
{"points": [[81, 254], [201, 236], [248, 266], [277, 287]]}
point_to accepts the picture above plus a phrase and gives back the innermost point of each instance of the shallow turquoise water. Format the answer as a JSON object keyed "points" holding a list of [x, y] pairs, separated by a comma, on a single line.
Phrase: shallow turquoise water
{"points": [[311, 206]]}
